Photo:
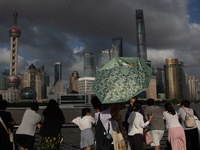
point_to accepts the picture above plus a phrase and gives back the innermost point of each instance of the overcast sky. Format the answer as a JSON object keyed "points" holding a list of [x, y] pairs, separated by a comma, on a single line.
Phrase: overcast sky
{"points": [[61, 30]]}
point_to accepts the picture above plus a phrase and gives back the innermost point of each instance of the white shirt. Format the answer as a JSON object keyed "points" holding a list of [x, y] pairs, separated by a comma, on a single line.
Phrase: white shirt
{"points": [[105, 119], [136, 123], [171, 120], [29, 123], [85, 122]]}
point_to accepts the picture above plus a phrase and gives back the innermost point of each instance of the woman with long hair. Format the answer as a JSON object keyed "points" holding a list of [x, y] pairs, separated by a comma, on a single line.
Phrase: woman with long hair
{"points": [[51, 128], [176, 134], [136, 126]]}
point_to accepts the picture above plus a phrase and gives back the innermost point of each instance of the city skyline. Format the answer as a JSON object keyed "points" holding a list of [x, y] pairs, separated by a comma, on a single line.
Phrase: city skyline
{"points": [[61, 31]]}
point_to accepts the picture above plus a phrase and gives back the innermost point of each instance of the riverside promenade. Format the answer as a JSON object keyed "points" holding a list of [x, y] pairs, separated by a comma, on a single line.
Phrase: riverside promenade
{"points": [[71, 132]]}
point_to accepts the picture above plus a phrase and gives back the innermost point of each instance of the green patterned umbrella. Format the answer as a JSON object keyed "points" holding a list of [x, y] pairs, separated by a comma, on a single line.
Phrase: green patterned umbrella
{"points": [[121, 79]]}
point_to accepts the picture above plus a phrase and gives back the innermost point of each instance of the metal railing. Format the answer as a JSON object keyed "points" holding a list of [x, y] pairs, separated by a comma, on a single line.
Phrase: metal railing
{"points": [[71, 138]]}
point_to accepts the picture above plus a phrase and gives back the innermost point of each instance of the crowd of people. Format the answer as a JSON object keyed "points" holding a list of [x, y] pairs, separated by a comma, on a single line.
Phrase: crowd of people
{"points": [[108, 120]]}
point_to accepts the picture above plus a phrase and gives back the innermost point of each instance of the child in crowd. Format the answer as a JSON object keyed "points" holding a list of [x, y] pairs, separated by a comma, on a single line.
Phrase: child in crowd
{"points": [[85, 123]]}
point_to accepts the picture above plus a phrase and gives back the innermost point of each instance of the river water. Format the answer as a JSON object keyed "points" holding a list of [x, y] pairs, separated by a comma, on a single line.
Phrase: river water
{"points": [[72, 135]]}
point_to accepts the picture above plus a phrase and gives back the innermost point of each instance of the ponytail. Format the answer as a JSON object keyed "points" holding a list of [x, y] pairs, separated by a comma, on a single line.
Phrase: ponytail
{"points": [[169, 108]]}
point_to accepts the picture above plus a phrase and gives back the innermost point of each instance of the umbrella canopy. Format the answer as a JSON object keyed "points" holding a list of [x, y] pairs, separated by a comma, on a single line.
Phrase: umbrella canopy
{"points": [[121, 79]]}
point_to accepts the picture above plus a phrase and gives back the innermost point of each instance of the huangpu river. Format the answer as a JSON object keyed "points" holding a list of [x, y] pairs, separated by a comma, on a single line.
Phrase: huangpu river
{"points": [[72, 135]]}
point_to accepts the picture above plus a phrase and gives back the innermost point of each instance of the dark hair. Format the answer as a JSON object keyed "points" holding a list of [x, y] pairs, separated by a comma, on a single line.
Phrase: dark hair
{"points": [[1, 97], [137, 105], [186, 103], [169, 108], [3, 104], [96, 103], [35, 106], [135, 97], [150, 101], [52, 109], [85, 111]]}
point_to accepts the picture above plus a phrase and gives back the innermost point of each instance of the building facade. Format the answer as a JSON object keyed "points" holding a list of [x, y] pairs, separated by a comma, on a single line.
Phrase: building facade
{"points": [[183, 94], [89, 64], [85, 85], [103, 58], [44, 81], [172, 82], [141, 36], [57, 72], [151, 91], [192, 88], [158, 72], [32, 79], [73, 82], [117, 43]]}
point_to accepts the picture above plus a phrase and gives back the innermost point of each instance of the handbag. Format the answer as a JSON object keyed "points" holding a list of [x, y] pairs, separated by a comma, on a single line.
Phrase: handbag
{"points": [[9, 133], [147, 137]]}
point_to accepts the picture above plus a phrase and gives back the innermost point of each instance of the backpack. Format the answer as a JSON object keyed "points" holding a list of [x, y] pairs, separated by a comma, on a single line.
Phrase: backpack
{"points": [[189, 119], [103, 139]]}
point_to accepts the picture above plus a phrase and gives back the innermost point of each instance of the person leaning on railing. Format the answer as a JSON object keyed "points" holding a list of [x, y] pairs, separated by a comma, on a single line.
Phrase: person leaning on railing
{"points": [[51, 128]]}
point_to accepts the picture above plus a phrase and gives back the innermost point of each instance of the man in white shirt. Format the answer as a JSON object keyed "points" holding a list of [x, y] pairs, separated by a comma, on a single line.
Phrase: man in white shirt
{"points": [[106, 115]]}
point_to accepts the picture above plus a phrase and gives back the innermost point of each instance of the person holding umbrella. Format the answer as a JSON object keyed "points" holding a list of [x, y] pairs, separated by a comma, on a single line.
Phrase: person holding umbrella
{"points": [[106, 115]]}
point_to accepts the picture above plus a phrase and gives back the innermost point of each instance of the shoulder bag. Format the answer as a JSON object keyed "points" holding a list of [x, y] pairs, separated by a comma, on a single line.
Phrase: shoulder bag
{"points": [[9, 133]]}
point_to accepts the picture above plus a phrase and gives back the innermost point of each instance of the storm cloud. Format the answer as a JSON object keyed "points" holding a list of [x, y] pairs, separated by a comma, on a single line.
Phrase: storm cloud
{"points": [[62, 30]]}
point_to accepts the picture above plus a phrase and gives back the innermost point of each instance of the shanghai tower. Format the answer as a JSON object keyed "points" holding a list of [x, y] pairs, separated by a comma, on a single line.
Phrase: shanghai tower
{"points": [[141, 38]]}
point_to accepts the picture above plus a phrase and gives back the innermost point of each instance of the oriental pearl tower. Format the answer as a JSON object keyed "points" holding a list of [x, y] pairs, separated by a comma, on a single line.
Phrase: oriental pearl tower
{"points": [[14, 33], [13, 80]]}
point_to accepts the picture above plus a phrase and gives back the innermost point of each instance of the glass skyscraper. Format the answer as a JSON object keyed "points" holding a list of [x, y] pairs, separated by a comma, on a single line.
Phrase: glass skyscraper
{"points": [[89, 64], [117, 46], [58, 72], [103, 58], [141, 37]]}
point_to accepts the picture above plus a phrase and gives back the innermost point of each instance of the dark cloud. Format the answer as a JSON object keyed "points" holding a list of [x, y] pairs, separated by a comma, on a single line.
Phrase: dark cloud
{"points": [[48, 26]]}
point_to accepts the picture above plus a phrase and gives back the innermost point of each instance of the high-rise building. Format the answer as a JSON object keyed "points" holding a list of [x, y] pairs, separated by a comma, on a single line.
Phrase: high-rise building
{"points": [[187, 86], [14, 33], [151, 91], [158, 72], [192, 88], [44, 81], [117, 43], [89, 64], [85, 85], [73, 82], [32, 79], [57, 72], [182, 82], [103, 58], [141, 37], [13, 81], [172, 82]]}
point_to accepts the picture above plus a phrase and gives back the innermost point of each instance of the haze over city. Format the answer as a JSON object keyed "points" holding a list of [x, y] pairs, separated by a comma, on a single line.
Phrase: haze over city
{"points": [[62, 30]]}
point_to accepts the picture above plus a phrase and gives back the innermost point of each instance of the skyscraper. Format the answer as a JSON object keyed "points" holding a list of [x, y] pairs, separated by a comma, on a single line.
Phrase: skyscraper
{"points": [[172, 82], [118, 45], [183, 94], [103, 58], [192, 88], [157, 71], [89, 64], [32, 79], [73, 81], [14, 33], [141, 37], [58, 72], [44, 81]]}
